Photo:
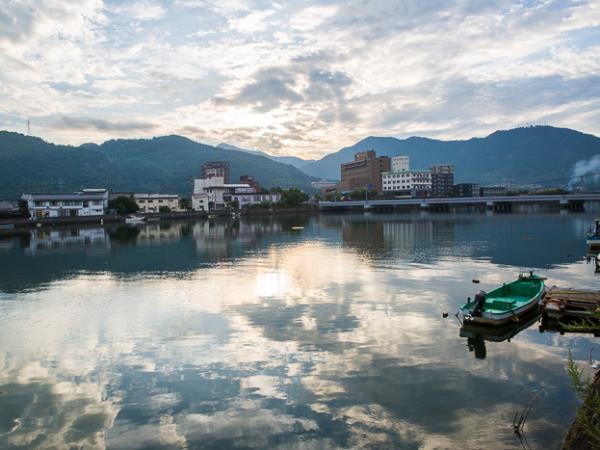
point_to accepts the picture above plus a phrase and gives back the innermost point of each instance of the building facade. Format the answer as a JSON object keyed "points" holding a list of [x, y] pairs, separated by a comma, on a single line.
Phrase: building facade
{"points": [[245, 200], [151, 203], [365, 171], [418, 182], [466, 190], [88, 202], [492, 191], [400, 163], [218, 169], [442, 180], [251, 181]]}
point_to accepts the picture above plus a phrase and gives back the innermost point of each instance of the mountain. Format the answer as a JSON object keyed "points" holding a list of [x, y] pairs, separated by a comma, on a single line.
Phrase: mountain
{"points": [[536, 154], [162, 164], [299, 163]]}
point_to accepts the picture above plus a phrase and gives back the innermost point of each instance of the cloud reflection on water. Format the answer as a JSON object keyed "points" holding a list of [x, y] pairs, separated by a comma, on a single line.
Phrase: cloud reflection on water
{"points": [[303, 343]]}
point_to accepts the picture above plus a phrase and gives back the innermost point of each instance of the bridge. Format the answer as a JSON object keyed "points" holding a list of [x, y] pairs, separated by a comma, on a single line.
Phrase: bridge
{"points": [[501, 203]]}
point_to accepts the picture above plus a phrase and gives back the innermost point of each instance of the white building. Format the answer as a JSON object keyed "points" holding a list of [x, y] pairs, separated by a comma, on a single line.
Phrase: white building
{"points": [[151, 203], [253, 199], [400, 163], [213, 193], [322, 184], [200, 201], [88, 202], [409, 180]]}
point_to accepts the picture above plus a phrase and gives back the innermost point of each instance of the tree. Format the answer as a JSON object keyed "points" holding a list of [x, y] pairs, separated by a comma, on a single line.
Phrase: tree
{"points": [[292, 198], [123, 205], [164, 209], [23, 208], [185, 204]]}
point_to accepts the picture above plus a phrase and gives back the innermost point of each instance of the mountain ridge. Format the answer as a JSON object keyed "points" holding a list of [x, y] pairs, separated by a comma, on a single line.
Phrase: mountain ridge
{"points": [[159, 164], [295, 161], [514, 156]]}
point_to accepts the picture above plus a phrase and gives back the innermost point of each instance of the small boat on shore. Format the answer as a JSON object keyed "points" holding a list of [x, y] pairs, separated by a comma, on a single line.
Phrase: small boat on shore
{"points": [[134, 219], [507, 303], [593, 235]]}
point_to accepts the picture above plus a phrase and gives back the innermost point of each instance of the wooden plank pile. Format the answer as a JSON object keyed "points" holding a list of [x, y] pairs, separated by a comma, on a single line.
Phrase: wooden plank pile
{"points": [[560, 303]]}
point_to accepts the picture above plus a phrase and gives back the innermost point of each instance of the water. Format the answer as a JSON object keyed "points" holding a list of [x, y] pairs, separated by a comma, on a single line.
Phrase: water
{"points": [[251, 334]]}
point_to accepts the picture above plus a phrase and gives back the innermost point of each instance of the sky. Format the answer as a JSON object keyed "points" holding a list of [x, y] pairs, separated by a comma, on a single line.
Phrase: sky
{"points": [[296, 78]]}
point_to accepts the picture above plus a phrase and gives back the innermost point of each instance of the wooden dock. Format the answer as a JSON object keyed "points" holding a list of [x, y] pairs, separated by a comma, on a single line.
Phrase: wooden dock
{"points": [[558, 303]]}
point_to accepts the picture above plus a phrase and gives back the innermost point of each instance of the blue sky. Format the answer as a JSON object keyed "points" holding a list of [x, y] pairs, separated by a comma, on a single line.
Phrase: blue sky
{"points": [[296, 78]]}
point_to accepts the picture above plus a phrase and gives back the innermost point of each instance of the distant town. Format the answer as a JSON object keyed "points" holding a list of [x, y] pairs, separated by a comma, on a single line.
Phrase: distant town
{"points": [[368, 176]]}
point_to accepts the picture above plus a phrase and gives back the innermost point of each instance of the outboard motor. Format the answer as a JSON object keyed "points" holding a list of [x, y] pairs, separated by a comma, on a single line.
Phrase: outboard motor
{"points": [[479, 302]]}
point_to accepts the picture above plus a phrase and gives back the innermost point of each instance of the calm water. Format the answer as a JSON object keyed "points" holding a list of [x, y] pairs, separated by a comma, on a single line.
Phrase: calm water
{"points": [[252, 334]]}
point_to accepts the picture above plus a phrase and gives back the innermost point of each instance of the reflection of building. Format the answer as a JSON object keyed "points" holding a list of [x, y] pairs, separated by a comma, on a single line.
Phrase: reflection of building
{"points": [[212, 169], [442, 180], [365, 171], [466, 190], [66, 239], [151, 203], [88, 202], [160, 233]]}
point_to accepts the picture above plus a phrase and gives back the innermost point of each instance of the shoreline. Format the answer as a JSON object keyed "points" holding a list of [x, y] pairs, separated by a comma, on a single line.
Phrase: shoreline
{"points": [[21, 225]]}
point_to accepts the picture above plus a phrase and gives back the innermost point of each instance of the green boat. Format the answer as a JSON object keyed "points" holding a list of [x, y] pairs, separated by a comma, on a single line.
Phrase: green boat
{"points": [[508, 302]]}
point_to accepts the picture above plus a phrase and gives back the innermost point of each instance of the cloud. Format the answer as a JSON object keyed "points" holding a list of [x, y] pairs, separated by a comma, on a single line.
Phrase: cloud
{"points": [[90, 123], [305, 78], [143, 10], [270, 88]]}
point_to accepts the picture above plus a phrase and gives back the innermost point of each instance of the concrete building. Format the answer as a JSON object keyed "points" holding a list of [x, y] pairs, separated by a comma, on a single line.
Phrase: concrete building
{"points": [[244, 200], [113, 195], [466, 190], [323, 184], [492, 191], [200, 201], [400, 163], [151, 203], [88, 202], [249, 180], [213, 193], [408, 180], [365, 171], [442, 180], [216, 169]]}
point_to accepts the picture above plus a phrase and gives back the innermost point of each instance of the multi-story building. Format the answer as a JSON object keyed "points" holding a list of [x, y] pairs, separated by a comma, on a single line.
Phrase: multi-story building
{"points": [[88, 202], [216, 169], [365, 171], [400, 163], [418, 182], [151, 203], [492, 191], [466, 190], [249, 180], [322, 184], [442, 180], [244, 200]]}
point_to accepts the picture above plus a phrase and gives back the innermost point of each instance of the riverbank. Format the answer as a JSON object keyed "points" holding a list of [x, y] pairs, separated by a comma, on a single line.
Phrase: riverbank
{"points": [[24, 225], [578, 437]]}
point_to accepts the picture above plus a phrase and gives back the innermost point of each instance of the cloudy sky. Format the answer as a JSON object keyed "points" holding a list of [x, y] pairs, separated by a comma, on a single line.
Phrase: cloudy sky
{"points": [[296, 78]]}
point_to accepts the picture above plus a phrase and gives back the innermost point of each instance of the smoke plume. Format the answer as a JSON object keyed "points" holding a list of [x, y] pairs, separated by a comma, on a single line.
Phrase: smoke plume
{"points": [[586, 173]]}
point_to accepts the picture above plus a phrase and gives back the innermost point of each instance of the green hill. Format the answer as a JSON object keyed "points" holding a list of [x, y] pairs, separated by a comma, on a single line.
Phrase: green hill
{"points": [[163, 164], [540, 154]]}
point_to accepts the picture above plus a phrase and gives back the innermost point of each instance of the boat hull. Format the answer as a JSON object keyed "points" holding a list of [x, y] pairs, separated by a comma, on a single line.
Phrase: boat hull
{"points": [[488, 318]]}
